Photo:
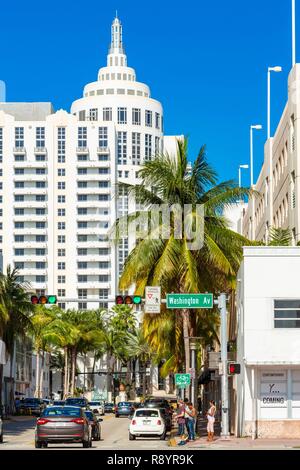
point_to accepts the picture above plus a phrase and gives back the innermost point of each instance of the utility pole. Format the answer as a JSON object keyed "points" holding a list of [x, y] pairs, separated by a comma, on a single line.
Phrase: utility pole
{"points": [[221, 302]]}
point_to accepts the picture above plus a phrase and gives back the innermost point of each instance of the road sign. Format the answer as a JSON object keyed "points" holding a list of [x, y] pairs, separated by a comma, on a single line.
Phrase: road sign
{"points": [[152, 299], [182, 380], [190, 301]]}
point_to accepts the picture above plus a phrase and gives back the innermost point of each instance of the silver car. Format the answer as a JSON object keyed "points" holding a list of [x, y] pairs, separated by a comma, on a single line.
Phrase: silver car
{"points": [[1, 430]]}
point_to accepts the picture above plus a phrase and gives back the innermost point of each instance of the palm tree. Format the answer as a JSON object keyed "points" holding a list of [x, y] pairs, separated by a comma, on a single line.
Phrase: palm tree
{"points": [[280, 237], [139, 349], [170, 262], [15, 309]]}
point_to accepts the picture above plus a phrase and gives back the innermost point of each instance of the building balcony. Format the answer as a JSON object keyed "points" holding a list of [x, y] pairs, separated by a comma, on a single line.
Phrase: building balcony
{"points": [[93, 285], [93, 190], [30, 204], [94, 177], [82, 150], [31, 244], [93, 271], [30, 177], [30, 218], [93, 164], [103, 151], [33, 272], [40, 150], [30, 164], [93, 204], [30, 258], [93, 218], [19, 150]]}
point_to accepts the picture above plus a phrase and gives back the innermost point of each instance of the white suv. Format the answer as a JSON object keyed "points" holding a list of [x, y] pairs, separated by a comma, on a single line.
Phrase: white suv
{"points": [[147, 422], [97, 407]]}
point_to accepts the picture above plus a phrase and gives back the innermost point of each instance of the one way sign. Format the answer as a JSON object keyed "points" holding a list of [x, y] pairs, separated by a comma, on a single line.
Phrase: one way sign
{"points": [[152, 301]]}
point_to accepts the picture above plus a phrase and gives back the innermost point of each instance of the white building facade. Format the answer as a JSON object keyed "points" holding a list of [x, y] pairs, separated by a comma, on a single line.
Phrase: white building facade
{"points": [[58, 175], [267, 392]]}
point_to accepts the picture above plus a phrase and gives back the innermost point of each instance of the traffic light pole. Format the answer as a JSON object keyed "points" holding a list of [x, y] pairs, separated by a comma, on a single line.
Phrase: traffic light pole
{"points": [[224, 393]]}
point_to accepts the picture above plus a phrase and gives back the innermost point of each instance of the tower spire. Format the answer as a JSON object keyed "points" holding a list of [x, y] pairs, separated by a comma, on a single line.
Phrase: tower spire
{"points": [[116, 37]]}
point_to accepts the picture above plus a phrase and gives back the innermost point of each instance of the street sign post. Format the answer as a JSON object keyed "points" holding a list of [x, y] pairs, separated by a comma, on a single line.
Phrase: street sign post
{"points": [[190, 301], [182, 380], [152, 299]]}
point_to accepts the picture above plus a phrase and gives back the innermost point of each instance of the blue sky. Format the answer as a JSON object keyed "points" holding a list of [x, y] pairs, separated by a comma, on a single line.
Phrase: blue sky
{"points": [[205, 61]]}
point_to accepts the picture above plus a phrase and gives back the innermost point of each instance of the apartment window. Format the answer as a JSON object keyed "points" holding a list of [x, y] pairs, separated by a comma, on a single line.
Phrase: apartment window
{"points": [[103, 278], [19, 137], [103, 184], [61, 172], [136, 148], [103, 197], [104, 251], [40, 184], [61, 185], [19, 251], [122, 148], [82, 305], [136, 116], [148, 147], [19, 171], [103, 171], [61, 212], [81, 115], [19, 265], [94, 114], [82, 224], [103, 294], [40, 265], [40, 238], [61, 292], [82, 137], [82, 278], [40, 137], [40, 197], [62, 305], [82, 251], [81, 197], [82, 293], [126, 174], [61, 279], [157, 143], [40, 279], [19, 211], [82, 171], [40, 252], [82, 211], [40, 158], [40, 211], [82, 184], [103, 158], [120, 173], [287, 313], [107, 114], [61, 266], [82, 264], [104, 264], [19, 238], [19, 158], [61, 199], [61, 226], [19, 224], [19, 198], [19, 184], [157, 120], [102, 137], [61, 144], [148, 118], [40, 171], [40, 225], [61, 239], [82, 238], [61, 252], [122, 115]]}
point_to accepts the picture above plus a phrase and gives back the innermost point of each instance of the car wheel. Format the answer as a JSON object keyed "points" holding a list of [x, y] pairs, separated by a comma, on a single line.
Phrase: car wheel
{"points": [[38, 444], [45, 445], [90, 443], [163, 436], [1, 438], [131, 437], [85, 444], [117, 416]]}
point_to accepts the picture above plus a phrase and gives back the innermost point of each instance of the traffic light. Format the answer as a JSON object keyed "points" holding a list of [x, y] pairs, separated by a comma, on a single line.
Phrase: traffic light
{"points": [[234, 368], [128, 299], [43, 299]]}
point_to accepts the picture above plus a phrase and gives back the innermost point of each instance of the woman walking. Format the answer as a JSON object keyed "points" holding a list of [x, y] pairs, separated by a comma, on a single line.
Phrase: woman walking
{"points": [[211, 421]]}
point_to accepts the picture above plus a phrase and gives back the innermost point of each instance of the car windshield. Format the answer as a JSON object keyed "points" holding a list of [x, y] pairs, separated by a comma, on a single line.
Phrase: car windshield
{"points": [[62, 411], [156, 404], [89, 415], [146, 414], [94, 403], [75, 401], [33, 401], [124, 403], [58, 402], [109, 404]]}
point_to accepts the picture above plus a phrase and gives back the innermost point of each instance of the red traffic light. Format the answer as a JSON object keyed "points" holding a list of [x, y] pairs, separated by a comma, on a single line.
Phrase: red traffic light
{"points": [[119, 300], [43, 299], [234, 368], [34, 299]]}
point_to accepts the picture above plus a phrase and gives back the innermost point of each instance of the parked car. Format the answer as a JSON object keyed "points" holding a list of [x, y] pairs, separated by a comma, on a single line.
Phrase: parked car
{"points": [[97, 407], [1, 430], [33, 406], [58, 402], [109, 408], [164, 406], [95, 424], [63, 424], [47, 402], [81, 402], [123, 408], [147, 422]]}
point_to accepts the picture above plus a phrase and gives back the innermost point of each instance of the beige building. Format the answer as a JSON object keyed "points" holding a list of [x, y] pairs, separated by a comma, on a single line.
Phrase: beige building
{"points": [[279, 181]]}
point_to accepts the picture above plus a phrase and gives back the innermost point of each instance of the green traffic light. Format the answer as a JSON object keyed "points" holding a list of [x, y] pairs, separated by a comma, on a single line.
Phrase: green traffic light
{"points": [[51, 299], [137, 299]]}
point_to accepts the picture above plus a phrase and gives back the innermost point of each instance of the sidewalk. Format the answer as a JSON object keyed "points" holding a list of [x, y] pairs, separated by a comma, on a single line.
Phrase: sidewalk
{"points": [[20, 418], [234, 443]]}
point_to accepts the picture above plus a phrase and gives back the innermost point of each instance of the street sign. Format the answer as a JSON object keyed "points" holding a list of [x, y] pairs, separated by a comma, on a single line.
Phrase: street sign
{"points": [[152, 299], [182, 380], [190, 301]]}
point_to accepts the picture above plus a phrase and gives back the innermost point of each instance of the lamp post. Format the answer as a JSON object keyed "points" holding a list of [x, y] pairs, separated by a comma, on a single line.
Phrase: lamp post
{"points": [[271, 69], [240, 173], [256, 127]]}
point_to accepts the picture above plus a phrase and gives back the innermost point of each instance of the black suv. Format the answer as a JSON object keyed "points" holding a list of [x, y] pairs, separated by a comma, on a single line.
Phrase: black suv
{"points": [[165, 408], [34, 406], [81, 402]]}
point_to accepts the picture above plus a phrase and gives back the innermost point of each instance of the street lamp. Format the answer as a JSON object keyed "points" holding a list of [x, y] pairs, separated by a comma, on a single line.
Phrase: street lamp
{"points": [[257, 127], [271, 69], [240, 173]]}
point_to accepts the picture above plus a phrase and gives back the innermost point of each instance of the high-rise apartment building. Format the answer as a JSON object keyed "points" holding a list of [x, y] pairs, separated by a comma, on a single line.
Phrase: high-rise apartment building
{"points": [[58, 176]]}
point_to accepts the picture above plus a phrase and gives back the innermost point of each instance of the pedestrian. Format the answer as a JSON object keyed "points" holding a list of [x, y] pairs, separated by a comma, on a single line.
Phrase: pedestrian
{"points": [[181, 418], [191, 420], [211, 420]]}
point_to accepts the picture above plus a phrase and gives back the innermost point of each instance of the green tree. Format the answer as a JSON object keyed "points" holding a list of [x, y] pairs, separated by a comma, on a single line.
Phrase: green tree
{"points": [[280, 237]]}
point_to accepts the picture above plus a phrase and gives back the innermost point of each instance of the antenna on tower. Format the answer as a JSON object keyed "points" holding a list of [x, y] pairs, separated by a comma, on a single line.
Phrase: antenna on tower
{"points": [[116, 13]]}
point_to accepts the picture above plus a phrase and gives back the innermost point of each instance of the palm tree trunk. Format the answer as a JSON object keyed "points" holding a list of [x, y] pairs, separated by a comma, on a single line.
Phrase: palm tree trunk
{"points": [[73, 368], [186, 327], [42, 374], [11, 380], [37, 375], [65, 372]]}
